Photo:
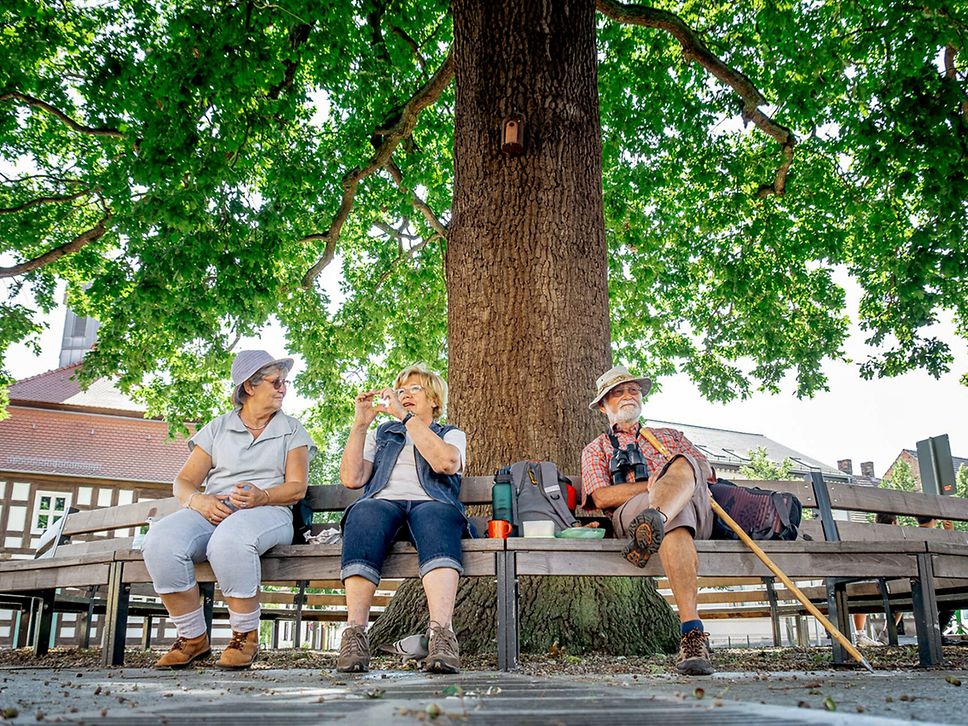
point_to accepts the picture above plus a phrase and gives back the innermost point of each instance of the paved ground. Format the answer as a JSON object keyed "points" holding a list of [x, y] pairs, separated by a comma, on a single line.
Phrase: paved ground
{"points": [[303, 696]]}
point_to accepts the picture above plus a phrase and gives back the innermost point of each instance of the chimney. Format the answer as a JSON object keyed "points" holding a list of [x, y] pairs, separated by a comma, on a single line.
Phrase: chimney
{"points": [[846, 466], [867, 469]]}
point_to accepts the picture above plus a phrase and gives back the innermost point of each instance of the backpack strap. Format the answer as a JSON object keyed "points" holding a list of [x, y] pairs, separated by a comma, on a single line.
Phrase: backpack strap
{"points": [[549, 479]]}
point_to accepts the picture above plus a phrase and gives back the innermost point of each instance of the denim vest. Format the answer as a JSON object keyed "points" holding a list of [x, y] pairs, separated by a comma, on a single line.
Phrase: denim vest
{"points": [[390, 439]]}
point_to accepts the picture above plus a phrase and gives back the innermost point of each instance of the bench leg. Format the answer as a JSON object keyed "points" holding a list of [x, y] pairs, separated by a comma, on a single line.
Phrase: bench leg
{"points": [[44, 620], [507, 612], [115, 617], [87, 618], [839, 615], [146, 633], [19, 639], [889, 625], [803, 635], [207, 590], [275, 635], [926, 613], [774, 609], [300, 599]]}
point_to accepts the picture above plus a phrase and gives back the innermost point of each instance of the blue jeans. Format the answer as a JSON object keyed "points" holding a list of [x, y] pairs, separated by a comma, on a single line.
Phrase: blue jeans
{"points": [[372, 526]]}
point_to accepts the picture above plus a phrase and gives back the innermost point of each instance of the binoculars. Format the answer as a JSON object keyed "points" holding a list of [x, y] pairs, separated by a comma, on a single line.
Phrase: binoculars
{"points": [[625, 460]]}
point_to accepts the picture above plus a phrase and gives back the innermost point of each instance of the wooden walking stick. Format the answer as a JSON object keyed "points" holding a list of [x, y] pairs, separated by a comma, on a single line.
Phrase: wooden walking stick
{"points": [[756, 550], [828, 626]]}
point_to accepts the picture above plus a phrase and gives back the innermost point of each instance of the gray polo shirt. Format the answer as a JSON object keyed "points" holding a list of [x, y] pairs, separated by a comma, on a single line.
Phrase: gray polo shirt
{"points": [[237, 457]]}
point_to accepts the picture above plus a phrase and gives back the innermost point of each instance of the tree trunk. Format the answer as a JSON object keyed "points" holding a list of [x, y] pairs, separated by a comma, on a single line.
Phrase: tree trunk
{"points": [[526, 258], [528, 303]]}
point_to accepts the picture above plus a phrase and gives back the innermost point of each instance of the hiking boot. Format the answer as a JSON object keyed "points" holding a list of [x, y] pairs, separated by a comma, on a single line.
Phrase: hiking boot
{"points": [[183, 651], [693, 658], [645, 537], [354, 650], [863, 640], [443, 653], [240, 652]]}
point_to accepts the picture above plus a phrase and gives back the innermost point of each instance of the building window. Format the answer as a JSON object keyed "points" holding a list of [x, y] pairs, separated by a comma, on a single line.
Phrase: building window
{"points": [[49, 507], [79, 328]]}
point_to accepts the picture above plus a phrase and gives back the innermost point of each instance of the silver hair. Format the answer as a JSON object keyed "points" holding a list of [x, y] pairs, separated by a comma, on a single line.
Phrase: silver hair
{"points": [[239, 395]]}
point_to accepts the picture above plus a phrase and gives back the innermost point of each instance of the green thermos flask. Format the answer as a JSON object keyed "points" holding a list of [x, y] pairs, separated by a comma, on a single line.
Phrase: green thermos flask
{"points": [[501, 495]]}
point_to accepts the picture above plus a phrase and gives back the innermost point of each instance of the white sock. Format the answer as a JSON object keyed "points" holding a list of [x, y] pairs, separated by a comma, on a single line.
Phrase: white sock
{"points": [[245, 622], [190, 625]]}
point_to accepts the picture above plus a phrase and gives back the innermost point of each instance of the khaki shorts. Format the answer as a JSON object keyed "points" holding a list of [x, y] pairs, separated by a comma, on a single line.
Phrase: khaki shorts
{"points": [[697, 515]]}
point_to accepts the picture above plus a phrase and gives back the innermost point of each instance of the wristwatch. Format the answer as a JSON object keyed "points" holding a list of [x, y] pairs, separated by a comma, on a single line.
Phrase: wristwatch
{"points": [[406, 418]]}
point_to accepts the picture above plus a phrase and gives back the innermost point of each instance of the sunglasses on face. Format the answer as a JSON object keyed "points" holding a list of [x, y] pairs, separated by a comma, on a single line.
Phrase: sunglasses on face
{"points": [[277, 383]]}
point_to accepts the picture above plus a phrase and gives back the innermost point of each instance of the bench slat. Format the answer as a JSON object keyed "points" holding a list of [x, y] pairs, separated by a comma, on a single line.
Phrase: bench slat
{"points": [[874, 499], [120, 517]]}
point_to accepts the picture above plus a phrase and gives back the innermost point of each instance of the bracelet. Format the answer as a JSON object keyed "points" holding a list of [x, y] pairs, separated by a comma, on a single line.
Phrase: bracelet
{"points": [[188, 504], [266, 492], [406, 418]]}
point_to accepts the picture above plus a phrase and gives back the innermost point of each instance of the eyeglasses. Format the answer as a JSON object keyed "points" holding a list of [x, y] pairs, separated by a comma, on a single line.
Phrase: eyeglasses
{"points": [[622, 390], [277, 383], [412, 390]]}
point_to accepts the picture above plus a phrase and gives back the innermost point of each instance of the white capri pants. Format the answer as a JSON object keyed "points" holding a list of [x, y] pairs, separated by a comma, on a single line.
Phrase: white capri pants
{"points": [[174, 544]]}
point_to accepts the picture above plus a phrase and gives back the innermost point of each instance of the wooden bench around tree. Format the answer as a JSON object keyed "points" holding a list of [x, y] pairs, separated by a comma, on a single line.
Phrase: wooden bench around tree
{"points": [[917, 567], [914, 567], [112, 564]]}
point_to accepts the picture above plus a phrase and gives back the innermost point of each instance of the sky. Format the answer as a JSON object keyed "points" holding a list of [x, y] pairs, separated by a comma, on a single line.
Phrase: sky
{"points": [[857, 419]]}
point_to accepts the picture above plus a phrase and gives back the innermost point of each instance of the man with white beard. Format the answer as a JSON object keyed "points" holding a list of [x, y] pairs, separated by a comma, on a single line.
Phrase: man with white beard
{"points": [[653, 485]]}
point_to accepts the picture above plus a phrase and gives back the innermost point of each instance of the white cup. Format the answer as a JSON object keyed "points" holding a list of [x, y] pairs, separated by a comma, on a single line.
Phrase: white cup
{"points": [[539, 528]]}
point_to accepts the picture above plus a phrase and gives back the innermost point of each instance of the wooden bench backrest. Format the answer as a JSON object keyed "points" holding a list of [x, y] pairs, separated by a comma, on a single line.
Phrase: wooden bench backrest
{"points": [[475, 491], [890, 501]]}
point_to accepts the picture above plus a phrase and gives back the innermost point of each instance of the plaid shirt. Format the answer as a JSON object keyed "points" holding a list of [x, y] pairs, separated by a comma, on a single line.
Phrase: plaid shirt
{"points": [[597, 455]]}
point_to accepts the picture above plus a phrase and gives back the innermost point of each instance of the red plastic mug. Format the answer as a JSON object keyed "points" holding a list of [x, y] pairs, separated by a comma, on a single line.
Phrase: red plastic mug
{"points": [[498, 529]]}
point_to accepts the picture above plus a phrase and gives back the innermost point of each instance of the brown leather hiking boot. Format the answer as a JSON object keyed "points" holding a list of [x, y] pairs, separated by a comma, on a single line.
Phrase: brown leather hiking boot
{"points": [[183, 651], [693, 658], [443, 654], [240, 652], [645, 537], [354, 650]]}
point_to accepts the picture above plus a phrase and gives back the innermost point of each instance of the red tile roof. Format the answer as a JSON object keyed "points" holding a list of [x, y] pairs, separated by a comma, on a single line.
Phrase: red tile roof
{"points": [[58, 387], [89, 445]]}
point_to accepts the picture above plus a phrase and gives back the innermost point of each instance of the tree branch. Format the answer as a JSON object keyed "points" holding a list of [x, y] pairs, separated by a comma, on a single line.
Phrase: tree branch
{"points": [[43, 200], [950, 71], [391, 138], [419, 204], [412, 44], [71, 123], [694, 49], [401, 256], [83, 239], [297, 36]]}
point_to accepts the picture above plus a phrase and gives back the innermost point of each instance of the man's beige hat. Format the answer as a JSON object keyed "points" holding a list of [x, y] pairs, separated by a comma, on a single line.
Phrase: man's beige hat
{"points": [[616, 377]]}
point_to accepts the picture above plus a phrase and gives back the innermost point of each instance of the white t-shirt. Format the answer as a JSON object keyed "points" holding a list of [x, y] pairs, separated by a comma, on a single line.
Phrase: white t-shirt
{"points": [[403, 483]]}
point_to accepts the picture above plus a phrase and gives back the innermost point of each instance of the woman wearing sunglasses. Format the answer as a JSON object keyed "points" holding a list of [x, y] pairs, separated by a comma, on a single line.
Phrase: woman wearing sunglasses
{"points": [[245, 471], [409, 468]]}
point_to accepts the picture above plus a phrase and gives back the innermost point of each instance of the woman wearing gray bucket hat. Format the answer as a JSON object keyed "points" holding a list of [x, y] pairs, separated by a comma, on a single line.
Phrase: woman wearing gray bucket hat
{"points": [[245, 471]]}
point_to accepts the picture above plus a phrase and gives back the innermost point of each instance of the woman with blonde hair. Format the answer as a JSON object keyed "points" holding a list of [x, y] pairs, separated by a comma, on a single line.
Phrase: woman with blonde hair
{"points": [[410, 470]]}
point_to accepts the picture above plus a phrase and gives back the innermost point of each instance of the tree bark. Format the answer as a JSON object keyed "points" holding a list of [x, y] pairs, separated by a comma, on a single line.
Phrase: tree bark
{"points": [[526, 257], [528, 304]]}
